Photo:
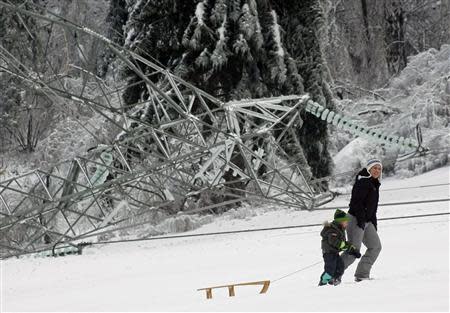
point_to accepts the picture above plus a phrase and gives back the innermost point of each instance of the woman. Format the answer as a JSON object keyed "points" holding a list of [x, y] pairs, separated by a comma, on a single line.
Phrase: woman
{"points": [[362, 227]]}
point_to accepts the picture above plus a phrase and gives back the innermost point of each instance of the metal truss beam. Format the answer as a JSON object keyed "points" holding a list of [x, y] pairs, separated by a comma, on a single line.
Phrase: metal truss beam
{"points": [[170, 150]]}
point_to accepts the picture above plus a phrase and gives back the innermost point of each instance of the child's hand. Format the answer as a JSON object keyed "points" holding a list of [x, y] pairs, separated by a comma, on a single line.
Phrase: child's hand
{"points": [[345, 246]]}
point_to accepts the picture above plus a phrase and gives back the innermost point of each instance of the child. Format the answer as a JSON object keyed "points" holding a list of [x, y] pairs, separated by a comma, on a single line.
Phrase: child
{"points": [[333, 242]]}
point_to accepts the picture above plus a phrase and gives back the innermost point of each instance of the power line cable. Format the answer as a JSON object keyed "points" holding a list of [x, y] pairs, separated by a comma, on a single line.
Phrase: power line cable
{"points": [[257, 229], [388, 204]]}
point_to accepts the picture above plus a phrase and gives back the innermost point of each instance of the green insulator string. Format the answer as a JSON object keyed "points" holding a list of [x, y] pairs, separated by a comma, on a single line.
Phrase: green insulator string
{"points": [[355, 128]]}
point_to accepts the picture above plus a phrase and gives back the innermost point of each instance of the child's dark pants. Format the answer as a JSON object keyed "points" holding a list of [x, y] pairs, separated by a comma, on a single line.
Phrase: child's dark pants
{"points": [[334, 265]]}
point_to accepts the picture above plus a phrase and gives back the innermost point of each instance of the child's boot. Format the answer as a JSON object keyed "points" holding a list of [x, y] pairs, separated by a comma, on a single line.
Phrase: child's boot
{"points": [[325, 279]]}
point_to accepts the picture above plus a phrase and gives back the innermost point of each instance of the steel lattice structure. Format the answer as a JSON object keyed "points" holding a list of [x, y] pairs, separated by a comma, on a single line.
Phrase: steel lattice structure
{"points": [[172, 149], [178, 150]]}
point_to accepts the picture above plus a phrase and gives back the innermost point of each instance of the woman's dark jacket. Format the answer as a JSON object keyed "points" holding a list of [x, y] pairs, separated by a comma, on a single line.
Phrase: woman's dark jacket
{"points": [[364, 201]]}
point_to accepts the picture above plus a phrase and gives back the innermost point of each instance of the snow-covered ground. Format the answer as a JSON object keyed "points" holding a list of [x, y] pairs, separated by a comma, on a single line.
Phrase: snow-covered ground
{"points": [[412, 273]]}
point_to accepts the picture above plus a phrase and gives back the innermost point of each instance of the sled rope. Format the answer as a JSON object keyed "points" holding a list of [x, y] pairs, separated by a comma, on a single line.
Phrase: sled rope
{"points": [[297, 271]]}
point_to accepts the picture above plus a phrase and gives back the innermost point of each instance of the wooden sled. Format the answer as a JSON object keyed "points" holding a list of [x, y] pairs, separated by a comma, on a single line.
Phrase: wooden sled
{"points": [[264, 283]]}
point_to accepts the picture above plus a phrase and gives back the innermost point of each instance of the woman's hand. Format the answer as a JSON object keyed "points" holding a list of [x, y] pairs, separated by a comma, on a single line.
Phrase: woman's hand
{"points": [[353, 251]]}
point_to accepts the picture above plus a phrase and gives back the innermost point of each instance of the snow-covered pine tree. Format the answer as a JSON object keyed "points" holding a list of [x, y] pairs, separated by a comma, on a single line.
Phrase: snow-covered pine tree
{"points": [[302, 22], [234, 50], [24, 113], [154, 29], [226, 47], [238, 49], [116, 19]]}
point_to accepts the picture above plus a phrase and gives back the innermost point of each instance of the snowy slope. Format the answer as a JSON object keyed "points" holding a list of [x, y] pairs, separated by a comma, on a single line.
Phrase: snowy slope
{"points": [[412, 272]]}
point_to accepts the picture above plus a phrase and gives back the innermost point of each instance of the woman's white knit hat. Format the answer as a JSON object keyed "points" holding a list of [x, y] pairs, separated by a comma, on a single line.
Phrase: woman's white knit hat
{"points": [[372, 162]]}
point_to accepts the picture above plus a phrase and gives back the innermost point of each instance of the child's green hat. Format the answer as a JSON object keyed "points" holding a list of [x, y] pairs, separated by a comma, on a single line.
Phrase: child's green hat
{"points": [[341, 216]]}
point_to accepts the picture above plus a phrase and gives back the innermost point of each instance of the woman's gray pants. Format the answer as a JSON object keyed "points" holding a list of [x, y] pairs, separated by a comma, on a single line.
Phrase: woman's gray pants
{"points": [[369, 237]]}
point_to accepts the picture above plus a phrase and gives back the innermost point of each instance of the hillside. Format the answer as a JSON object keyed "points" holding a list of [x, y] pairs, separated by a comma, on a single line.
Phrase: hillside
{"points": [[163, 275]]}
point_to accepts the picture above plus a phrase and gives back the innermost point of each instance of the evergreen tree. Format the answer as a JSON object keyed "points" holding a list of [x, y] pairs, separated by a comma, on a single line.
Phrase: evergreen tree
{"points": [[234, 50], [237, 49], [116, 20], [303, 21], [24, 113], [154, 29]]}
